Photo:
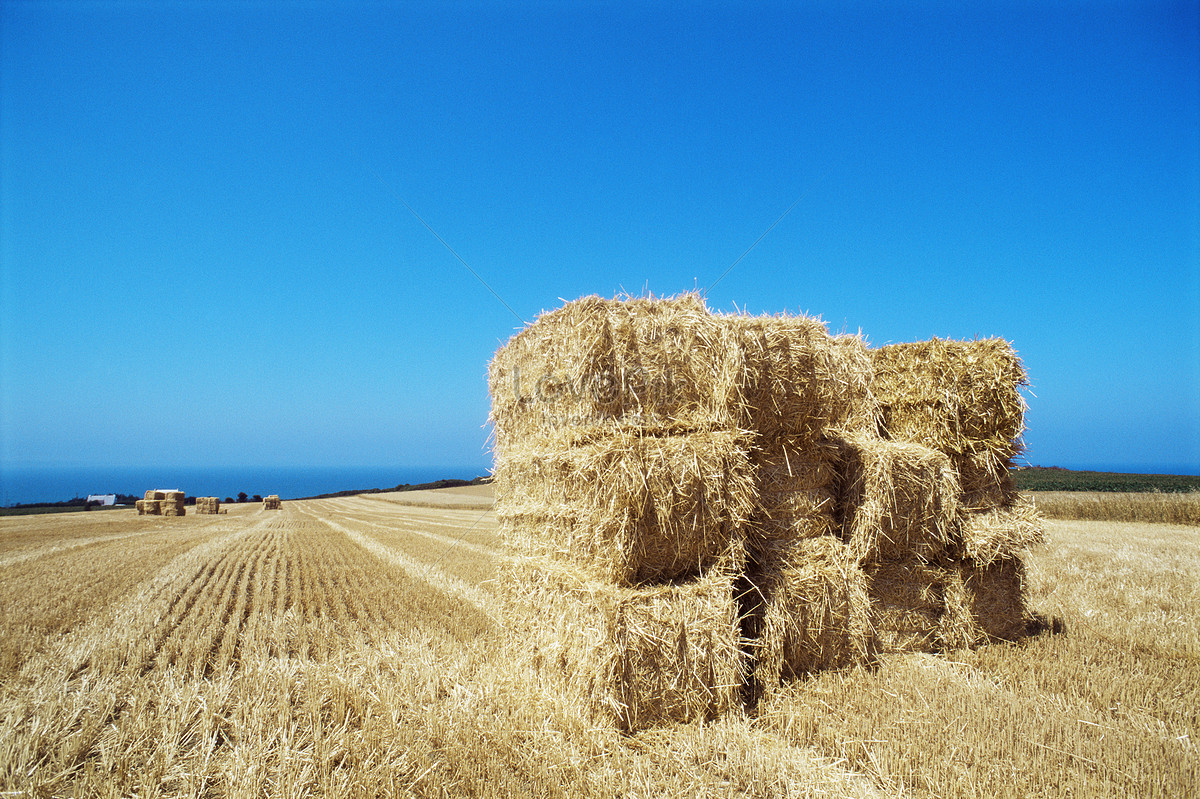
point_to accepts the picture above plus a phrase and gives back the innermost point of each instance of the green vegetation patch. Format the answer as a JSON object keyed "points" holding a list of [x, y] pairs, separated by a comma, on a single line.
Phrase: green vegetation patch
{"points": [[1052, 478]]}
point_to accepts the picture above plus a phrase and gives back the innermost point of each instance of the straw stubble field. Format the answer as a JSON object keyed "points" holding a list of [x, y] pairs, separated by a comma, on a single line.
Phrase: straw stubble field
{"points": [[351, 647]]}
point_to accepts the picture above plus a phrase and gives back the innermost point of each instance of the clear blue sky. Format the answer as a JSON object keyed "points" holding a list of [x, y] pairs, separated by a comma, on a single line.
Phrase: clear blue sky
{"points": [[206, 258]]}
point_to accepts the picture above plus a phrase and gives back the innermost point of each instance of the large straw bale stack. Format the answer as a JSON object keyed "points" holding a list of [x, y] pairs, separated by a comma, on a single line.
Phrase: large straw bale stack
{"points": [[960, 397], [272, 502], [637, 656], [634, 508], [899, 500], [663, 364], [807, 609]]}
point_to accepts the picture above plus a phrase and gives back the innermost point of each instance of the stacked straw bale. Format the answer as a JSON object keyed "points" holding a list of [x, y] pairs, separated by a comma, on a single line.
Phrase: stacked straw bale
{"points": [[161, 503], [962, 399], [638, 656], [700, 506], [208, 505], [272, 502]]}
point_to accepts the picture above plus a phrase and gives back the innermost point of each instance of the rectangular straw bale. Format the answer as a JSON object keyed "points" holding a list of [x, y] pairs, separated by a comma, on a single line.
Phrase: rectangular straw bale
{"points": [[795, 480], [853, 374], [634, 508], [985, 481], [1003, 532], [899, 500], [141, 507], [961, 397], [152, 507], [996, 597], [807, 609], [663, 364], [908, 601], [639, 657], [798, 381]]}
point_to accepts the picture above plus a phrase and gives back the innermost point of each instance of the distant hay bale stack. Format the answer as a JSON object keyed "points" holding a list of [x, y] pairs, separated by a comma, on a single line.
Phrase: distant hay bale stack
{"points": [[1002, 532], [634, 508], [637, 657], [960, 397], [899, 500], [995, 595], [662, 364], [795, 483], [807, 609], [208, 505], [272, 502]]}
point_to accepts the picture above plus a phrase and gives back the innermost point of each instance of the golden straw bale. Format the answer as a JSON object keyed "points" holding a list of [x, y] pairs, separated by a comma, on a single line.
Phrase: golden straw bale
{"points": [[173, 496], [794, 479], [633, 508], [908, 601], [899, 500], [141, 507], [798, 381], [996, 598], [957, 628], [638, 657], [1003, 532], [961, 397], [152, 507], [985, 482], [806, 609], [853, 373], [666, 364]]}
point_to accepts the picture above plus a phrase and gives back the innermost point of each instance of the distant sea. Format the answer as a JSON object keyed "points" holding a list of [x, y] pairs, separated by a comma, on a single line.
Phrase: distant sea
{"points": [[55, 484]]}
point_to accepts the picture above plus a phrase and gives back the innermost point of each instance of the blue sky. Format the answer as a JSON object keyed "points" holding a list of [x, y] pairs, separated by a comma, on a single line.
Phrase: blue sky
{"points": [[207, 260]]}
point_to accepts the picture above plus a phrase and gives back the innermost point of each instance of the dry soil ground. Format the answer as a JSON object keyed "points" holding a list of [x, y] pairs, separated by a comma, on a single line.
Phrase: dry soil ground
{"points": [[351, 647]]}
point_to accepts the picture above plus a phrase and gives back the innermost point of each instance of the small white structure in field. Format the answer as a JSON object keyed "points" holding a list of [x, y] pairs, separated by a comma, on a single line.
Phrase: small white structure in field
{"points": [[102, 499]]}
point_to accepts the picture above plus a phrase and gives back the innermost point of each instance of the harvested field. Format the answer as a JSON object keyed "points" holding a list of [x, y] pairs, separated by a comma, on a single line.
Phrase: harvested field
{"points": [[349, 647]]}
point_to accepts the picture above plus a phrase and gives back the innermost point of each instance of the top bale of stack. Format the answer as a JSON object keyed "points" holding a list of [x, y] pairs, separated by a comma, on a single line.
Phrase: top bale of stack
{"points": [[796, 381], [595, 365], [959, 397]]}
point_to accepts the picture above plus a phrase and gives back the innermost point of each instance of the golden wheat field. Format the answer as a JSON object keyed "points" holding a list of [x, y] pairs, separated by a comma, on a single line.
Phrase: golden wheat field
{"points": [[351, 647]]}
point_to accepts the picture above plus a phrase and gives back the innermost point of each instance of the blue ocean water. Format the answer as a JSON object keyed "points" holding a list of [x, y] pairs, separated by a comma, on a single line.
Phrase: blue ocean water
{"points": [[54, 484]]}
